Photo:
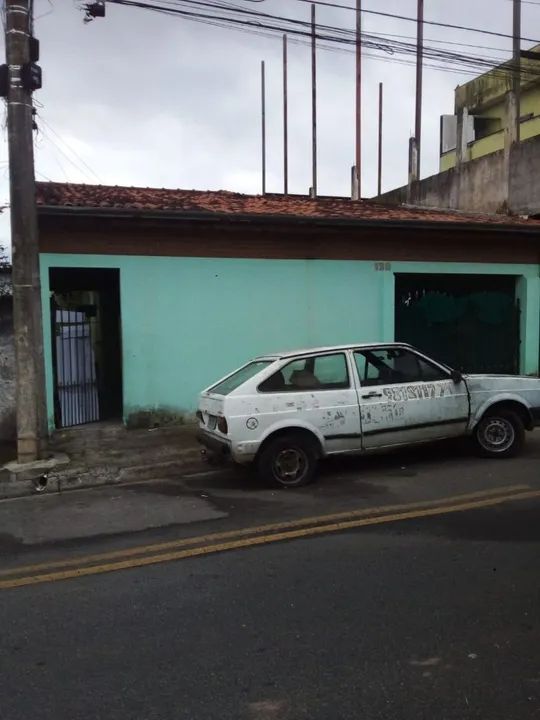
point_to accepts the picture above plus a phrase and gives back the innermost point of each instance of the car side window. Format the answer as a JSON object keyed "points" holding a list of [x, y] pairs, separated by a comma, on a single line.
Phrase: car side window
{"points": [[320, 372], [431, 372], [392, 366]]}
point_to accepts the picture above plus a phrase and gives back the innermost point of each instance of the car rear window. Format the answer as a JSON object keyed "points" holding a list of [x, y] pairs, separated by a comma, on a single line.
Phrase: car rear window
{"points": [[322, 372], [239, 377]]}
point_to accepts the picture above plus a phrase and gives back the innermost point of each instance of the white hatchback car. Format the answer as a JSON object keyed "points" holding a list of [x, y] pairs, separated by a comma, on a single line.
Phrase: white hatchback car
{"points": [[286, 411]]}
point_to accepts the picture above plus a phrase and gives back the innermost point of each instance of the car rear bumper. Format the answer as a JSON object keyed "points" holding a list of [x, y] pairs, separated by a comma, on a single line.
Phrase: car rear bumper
{"points": [[223, 450], [215, 444]]}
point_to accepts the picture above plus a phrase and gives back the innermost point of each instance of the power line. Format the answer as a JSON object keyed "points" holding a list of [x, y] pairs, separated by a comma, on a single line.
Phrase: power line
{"points": [[259, 23], [394, 16], [175, 9], [45, 177], [72, 162], [527, 2], [444, 42], [55, 156], [344, 32], [335, 48], [70, 149]]}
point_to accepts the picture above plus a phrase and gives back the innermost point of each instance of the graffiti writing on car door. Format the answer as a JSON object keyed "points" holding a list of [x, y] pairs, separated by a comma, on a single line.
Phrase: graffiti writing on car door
{"points": [[402, 393], [386, 413], [394, 405]]}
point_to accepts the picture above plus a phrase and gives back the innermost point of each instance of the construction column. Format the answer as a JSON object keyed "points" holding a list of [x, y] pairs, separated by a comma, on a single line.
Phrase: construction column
{"points": [[22, 79], [513, 104]]}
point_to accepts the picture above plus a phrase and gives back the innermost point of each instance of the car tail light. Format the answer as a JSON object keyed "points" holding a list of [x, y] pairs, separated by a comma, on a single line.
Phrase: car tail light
{"points": [[222, 425], [200, 416]]}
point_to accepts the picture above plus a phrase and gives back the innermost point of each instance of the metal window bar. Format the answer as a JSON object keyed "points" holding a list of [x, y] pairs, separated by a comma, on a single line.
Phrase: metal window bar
{"points": [[76, 377]]}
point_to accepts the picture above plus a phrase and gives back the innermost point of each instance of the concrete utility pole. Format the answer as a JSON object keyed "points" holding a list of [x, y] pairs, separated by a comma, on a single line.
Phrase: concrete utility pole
{"points": [[357, 171], [419, 81], [313, 190], [512, 129], [263, 128], [380, 144], [285, 121], [413, 169], [27, 318], [462, 136], [516, 77]]}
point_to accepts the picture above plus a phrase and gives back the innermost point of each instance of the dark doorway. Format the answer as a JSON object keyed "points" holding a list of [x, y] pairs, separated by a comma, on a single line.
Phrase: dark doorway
{"points": [[86, 346], [470, 322]]}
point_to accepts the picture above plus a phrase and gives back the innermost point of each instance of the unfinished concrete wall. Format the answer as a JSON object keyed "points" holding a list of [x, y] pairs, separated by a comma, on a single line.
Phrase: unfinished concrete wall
{"points": [[431, 191], [525, 177], [477, 187], [481, 184], [393, 197], [7, 371]]}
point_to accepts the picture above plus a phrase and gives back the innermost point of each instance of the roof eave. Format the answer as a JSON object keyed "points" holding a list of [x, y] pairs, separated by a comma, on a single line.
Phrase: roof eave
{"points": [[204, 216]]}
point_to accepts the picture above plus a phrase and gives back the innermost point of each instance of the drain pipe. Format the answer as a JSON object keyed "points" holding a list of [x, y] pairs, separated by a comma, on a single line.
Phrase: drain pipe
{"points": [[40, 483]]}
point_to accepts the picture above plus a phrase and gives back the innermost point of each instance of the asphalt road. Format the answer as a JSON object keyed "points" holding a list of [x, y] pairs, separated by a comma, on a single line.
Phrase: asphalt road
{"points": [[51, 525], [433, 618]]}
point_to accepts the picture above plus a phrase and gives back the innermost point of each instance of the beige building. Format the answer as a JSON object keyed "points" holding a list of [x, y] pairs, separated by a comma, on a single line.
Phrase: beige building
{"points": [[476, 173], [482, 102]]}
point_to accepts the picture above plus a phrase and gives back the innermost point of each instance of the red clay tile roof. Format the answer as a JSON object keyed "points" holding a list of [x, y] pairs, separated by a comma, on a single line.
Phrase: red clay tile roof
{"points": [[71, 195]]}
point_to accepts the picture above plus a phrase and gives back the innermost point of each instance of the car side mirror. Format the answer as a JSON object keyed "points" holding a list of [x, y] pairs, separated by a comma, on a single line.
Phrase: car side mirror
{"points": [[457, 377]]}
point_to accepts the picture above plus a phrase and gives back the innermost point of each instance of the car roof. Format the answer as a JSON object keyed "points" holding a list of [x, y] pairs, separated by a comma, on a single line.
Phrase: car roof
{"points": [[327, 349]]}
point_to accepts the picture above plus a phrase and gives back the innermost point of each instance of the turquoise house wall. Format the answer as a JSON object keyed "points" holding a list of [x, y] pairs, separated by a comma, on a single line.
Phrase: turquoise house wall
{"points": [[188, 321]]}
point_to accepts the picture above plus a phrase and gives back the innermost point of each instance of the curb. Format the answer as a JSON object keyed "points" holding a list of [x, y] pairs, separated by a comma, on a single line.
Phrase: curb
{"points": [[58, 474], [34, 478]]}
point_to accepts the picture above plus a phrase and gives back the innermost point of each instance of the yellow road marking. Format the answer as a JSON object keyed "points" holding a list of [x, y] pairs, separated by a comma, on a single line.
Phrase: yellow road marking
{"points": [[256, 530], [261, 540]]}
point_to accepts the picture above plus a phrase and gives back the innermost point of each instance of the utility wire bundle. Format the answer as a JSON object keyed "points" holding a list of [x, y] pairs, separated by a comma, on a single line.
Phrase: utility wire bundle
{"points": [[388, 47]]}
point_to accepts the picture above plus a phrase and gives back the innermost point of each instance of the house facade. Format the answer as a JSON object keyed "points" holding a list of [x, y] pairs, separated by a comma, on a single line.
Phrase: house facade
{"points": [[482, 101], [151, 295]]}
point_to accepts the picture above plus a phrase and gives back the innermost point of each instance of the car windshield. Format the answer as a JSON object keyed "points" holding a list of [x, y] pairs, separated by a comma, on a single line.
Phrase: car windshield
{"points": [[239, 377]]}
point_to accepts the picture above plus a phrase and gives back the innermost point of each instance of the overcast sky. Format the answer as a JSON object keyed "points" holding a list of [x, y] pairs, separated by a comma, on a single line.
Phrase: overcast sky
{"points": [[144, 99]]}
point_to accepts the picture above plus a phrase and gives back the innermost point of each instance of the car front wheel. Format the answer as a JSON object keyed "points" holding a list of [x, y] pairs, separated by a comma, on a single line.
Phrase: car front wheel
{"points": [[288, 461], [500, 434]]}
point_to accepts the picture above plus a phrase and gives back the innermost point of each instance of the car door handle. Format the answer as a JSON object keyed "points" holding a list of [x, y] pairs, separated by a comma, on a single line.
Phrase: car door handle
{"points": [[371, 395]]}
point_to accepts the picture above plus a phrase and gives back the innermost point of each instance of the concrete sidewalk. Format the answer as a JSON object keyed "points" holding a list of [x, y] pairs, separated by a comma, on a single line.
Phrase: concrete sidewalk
{"points": [[185, 503], [105, 454], [112, 510]]}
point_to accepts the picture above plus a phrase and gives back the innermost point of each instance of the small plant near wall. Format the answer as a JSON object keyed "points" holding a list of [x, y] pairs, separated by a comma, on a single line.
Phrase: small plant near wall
{"points": [[155, 418]]}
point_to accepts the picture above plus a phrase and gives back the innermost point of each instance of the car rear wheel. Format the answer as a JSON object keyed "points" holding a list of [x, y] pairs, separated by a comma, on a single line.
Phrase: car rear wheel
{"points": [[288, 461], [500, 434]]}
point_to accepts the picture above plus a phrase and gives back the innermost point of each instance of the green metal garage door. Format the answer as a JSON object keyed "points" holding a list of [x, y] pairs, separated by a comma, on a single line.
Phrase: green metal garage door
{"points": [[470, 322]]}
